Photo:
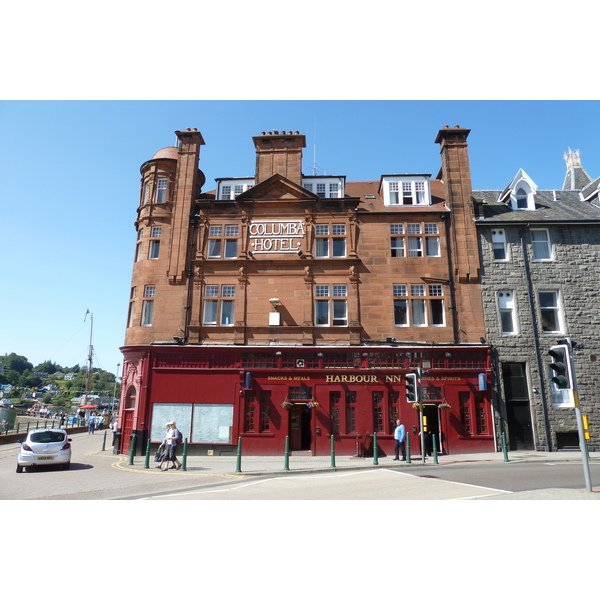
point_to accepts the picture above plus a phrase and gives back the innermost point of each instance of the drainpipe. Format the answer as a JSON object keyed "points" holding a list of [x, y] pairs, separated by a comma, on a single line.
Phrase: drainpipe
{"points": [[536, 343], [190, 274], [446, 219]]}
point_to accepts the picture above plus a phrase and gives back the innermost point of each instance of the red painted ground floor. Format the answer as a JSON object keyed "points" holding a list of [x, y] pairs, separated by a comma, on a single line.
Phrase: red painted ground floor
{"points": [[262, 396]]}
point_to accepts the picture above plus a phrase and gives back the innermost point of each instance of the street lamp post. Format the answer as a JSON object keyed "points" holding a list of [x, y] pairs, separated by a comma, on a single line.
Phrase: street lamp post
{"points": [[114, 398]]}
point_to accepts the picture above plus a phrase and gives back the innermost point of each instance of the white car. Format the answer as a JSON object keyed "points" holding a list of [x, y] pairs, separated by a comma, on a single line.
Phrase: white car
{"points": [[45, 447]]}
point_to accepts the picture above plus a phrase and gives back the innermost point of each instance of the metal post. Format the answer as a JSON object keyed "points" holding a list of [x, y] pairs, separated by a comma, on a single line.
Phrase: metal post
{"points": [[184, 456], [375, 461], [238, 466], [147, 461], [332, 452], [435, 458], [582, 444], [504, 449], [286, 454], [104, 441], [132, 449], [407, 447]]}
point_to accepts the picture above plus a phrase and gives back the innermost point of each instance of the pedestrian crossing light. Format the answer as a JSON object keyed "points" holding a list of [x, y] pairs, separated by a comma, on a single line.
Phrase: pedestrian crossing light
{"points": [[411, 387], [560, 365]]}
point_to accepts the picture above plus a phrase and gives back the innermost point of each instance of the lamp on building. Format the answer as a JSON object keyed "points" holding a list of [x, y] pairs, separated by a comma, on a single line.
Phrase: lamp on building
{"points": [[275, 302], [300, 253], [250, 253]]}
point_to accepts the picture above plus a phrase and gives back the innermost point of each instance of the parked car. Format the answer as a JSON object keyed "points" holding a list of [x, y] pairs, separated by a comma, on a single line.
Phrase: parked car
{"points": [[45, 447]]}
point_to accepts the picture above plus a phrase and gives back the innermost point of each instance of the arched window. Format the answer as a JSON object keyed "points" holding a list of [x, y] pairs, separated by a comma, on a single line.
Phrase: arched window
{"points": [[522, 198], [130, 397]]}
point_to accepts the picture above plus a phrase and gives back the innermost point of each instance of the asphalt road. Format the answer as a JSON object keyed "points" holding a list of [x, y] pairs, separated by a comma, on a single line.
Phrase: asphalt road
{"points": [[97, 475]]}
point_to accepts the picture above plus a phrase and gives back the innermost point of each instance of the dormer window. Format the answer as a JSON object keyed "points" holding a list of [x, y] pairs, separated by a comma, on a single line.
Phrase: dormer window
{"points": [[521, 198], [229, 189], [325, 187], [520, 193], [409, 190]]}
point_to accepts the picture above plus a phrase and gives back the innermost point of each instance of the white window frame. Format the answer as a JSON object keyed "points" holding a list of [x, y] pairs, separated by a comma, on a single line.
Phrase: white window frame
{"points": [[507, 310], [554, 308], [331, 305], [217, 307], [499, 244], [161, 190], [330, 240], [325, 187], [537, 244], [153, 249], [410, 190]]}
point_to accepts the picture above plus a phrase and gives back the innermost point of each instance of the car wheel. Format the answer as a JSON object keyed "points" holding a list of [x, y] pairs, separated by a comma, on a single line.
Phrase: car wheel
{"points": [[19, 469]]}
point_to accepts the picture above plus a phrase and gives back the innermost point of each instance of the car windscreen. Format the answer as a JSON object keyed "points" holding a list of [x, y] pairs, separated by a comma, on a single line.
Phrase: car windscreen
{"points": [[46, 437]]}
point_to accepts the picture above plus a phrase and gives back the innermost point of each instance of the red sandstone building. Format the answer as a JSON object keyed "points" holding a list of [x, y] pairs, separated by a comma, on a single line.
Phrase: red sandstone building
{"points": [[284, 305]]}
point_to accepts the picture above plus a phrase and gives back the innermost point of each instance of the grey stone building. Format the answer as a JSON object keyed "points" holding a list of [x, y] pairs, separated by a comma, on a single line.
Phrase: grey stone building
{"points": [[540, 274]]}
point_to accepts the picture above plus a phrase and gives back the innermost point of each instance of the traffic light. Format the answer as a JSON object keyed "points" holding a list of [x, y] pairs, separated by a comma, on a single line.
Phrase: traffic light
{"points": [[411, 387], [561, 367]]}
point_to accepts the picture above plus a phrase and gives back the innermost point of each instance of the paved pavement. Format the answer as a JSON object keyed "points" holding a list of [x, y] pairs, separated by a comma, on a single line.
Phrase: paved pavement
{"points": [[304, 463]]}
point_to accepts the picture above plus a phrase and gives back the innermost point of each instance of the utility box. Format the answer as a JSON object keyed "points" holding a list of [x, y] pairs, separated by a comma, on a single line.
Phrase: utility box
{"points": [[274, 318]]}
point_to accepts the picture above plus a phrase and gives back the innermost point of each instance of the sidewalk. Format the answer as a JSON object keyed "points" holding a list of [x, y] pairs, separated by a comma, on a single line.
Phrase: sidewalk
{"points": [[227, 466], [263, 465]]}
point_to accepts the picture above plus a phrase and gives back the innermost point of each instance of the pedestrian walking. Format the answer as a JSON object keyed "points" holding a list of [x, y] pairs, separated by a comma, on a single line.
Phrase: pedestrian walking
{"points": [[400, 437], [170, 441], [92, 423]]}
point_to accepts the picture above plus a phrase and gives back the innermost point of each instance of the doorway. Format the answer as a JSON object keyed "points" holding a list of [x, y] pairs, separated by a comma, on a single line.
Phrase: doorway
{"points": [[518, 409], [431, 425], [300, 427]]}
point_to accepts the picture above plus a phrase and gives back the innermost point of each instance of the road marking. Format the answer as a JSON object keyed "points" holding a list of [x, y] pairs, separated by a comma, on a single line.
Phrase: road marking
{"points": [[121, 467], [218, 491]]}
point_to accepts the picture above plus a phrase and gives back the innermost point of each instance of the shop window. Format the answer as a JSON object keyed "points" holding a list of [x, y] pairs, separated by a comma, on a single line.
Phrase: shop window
{"points": [[265, 410], [334, 411], [377, 403], [249, 412], [300, 393], [465, 412], [341, 360], [392, 410], [473, 414], [350, 412]]}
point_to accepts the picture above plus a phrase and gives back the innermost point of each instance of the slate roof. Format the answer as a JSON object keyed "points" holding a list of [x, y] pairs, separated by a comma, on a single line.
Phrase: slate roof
{"points": [[551, 206]]}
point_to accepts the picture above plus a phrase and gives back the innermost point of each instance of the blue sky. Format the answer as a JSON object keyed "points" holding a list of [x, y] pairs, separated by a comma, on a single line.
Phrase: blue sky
{"points": [[70, 173]]}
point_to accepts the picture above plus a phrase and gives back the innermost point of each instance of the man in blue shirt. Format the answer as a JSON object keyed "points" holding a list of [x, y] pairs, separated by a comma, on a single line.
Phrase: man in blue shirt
{"points": [[399, 436]]}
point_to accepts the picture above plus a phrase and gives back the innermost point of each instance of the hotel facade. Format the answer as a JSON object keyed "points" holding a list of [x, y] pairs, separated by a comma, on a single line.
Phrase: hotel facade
{"points": [[284, 308]]}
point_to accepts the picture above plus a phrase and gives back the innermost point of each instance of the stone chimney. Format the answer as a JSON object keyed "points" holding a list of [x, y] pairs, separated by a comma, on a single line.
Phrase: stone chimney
{"points": [[279, 152]]}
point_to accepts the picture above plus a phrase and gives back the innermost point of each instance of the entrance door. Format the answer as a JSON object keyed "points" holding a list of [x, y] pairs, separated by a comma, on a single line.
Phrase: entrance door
{"points": [[300, 427], [126, 431], [518, 413], [518, 417], [431, 416]]}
